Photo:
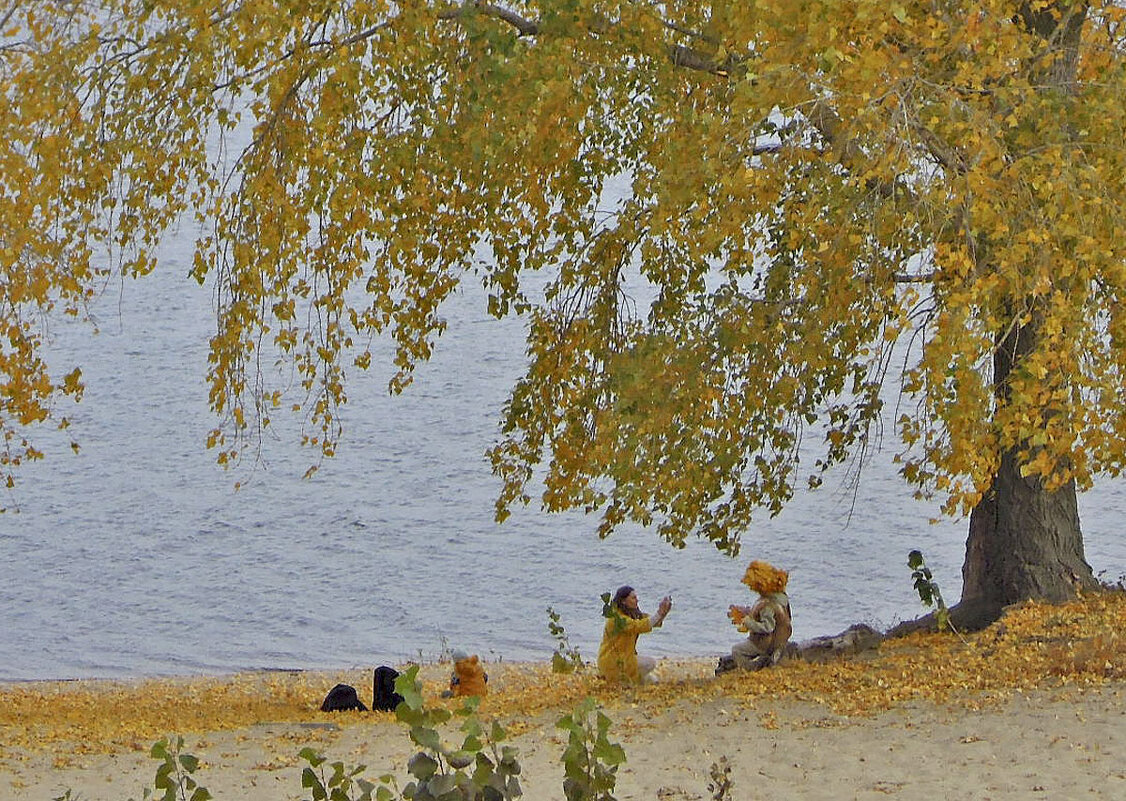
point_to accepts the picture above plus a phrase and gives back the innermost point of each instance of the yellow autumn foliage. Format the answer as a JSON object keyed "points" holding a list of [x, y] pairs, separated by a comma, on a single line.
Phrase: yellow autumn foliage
{"points": [[1034, 645], [723, 225], [764, 578]]}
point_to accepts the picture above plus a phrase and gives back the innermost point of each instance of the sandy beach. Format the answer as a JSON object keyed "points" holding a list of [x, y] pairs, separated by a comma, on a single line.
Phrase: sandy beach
{"points": [[1034, 707]]}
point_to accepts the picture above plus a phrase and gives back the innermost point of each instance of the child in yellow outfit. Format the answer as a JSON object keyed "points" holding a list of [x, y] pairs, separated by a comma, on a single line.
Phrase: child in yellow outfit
{"points": [[469, 676]]}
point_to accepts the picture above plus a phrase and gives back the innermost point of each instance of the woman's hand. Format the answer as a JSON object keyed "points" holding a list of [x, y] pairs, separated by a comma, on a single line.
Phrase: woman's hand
{"points": [[663, 609]]}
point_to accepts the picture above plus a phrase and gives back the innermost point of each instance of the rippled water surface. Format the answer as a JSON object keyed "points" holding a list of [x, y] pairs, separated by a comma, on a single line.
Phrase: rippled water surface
{"points": [[138, 557]]}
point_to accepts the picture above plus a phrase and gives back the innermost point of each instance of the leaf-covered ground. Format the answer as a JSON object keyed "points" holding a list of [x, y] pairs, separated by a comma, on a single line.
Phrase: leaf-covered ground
{"points": [[1035, 645]]}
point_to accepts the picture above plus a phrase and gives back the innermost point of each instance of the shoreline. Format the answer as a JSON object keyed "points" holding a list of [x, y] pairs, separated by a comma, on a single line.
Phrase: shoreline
{"points": [[526, 656], [1034, 704], [1066, 741]]}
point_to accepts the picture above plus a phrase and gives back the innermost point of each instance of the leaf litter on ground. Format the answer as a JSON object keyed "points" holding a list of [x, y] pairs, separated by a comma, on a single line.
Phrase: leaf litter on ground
{"points": [[1034, 646]]}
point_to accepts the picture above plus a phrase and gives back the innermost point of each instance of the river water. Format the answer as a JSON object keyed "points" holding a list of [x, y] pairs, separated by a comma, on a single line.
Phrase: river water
{"points": [[138, 557]]}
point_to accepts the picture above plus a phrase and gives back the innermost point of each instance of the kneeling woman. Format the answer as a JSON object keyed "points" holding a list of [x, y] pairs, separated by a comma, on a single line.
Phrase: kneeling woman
{"points": [[617, 656]]}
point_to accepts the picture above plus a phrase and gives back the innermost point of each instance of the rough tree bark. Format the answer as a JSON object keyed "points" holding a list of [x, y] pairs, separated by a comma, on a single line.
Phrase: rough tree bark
{"points": [[1024, 541]]}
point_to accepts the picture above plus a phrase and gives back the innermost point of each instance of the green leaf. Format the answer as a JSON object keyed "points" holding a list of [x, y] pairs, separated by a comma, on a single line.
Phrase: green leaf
{"points": [[472, 743], [422, 766], [508, 756], [472, 726], [460, 759], [426, 737], [408, 685], [609, 753], [311, 756], [443, 784], [309, 778], [163, 779]]}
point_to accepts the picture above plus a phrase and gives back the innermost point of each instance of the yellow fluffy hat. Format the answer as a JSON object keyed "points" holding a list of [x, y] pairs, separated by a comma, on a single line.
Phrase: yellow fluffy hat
{"points": [[764, 578]]}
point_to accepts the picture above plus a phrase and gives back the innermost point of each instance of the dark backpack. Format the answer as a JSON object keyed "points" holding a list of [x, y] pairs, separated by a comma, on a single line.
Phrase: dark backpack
{"points": [[383, 695], [342, 697]]}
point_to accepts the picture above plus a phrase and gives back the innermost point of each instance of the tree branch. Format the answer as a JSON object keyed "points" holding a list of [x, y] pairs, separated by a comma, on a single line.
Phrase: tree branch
{"points": [[693, 59], [681, 55], [524, 26]]}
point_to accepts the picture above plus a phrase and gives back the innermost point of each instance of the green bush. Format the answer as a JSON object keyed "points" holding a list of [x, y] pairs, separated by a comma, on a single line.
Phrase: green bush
{"points": [[590, 761], [928, 590], [482, 768], [344, 782], [566, 658]]}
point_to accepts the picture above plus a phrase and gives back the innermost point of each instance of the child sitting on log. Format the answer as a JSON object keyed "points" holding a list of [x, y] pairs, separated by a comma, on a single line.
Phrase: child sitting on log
{"points": [[768, 622]]}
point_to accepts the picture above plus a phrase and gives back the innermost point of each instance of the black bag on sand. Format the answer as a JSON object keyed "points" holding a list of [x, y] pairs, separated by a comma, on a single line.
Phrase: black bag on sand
{"points": [[383, 695], [342, 697]]}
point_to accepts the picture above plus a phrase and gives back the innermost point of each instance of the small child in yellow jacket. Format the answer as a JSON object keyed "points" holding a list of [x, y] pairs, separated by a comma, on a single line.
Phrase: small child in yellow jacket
{"points": [[469, 676]]}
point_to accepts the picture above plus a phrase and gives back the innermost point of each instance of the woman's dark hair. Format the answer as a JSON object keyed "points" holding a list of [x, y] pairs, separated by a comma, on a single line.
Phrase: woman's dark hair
{"points": [[620, 597]]}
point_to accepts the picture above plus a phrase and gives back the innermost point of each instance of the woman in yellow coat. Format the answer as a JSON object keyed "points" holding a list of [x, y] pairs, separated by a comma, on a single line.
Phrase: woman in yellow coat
{"points": [[617, 656]]}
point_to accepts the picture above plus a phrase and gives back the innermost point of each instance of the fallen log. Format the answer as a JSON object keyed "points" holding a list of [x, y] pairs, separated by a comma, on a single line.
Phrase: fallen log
{"points": [[856, 639], [853, 640]]}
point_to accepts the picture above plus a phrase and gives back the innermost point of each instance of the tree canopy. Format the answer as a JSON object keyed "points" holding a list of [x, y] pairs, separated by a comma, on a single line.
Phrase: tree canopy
{"points": [[748, 217]]}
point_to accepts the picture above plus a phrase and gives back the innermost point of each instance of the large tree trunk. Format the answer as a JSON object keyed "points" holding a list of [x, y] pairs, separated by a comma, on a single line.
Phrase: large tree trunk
{"points": [[1024, 542]]}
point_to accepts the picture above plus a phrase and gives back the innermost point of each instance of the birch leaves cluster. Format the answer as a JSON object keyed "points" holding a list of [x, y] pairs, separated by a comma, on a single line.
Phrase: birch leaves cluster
{"points": [[744, 219]]}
